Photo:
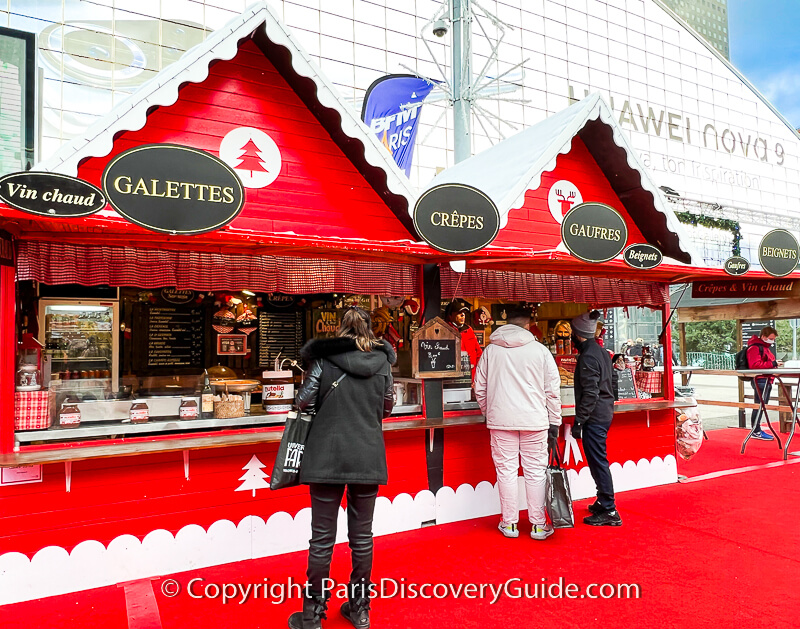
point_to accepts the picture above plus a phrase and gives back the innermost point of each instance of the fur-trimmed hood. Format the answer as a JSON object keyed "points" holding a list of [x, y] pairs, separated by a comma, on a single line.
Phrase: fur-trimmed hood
{"points": [[344, 353]]}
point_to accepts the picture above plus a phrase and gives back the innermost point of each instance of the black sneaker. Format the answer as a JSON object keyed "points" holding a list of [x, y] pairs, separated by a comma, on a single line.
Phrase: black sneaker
{"points": [[358, 615], [610, 518], [595, 508]]}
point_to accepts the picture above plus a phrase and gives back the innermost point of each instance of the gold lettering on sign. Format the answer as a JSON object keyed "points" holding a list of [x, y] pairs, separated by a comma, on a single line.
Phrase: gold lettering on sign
{"points": [[456, 220], [594, 232], [775, 252], [175, 190]]}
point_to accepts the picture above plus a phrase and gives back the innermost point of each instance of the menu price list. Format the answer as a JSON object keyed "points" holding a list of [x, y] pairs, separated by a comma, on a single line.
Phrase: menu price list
{"points": [[175, 337], [279, 332]]}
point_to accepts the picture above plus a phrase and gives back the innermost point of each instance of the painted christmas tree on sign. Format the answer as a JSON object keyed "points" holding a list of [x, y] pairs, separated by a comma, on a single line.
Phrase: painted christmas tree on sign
{"points": [[251, 159], [255, 476]]}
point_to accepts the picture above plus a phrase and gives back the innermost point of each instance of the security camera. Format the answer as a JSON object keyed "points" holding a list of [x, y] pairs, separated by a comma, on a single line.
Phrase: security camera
{"points": [[440, 28]]}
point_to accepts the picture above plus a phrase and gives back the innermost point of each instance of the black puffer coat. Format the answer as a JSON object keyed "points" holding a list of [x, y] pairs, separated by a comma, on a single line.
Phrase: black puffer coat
{"points": [[345, 444], [594, 395]]}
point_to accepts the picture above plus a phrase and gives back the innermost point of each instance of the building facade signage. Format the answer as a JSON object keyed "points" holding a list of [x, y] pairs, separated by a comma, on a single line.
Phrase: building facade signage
{"points": [[777, 253], [736, 265], [51, 194], [642, 256], [594, 232], [173, 189], [456, 218], [739, 289]]}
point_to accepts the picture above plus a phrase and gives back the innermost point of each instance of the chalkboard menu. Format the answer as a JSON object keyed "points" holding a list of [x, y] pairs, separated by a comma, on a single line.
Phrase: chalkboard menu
{"points": [[174, 336], [753, 328], [437, 356], [626, 385], [279, 332], [436, 351]]}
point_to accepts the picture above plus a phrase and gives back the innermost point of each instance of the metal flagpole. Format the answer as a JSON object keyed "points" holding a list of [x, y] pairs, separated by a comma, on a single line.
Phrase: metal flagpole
{"points": [[462, 78]]}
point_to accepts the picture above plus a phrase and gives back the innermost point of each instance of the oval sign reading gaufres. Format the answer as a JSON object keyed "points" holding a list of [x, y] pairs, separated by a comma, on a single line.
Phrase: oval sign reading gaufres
{"points": [[642, 256], [51, 194], [594, 232], [777, 253], [456, 218], [173, 189], [736, 265]]}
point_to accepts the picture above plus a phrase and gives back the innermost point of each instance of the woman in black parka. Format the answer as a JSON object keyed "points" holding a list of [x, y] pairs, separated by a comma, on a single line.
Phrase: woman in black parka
{"points": [[344, 449]]}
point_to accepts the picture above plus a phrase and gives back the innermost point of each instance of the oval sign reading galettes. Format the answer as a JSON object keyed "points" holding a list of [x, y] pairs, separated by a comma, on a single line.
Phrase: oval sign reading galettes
{"points": [[736, 265], [173, 189], [51, 194], [456, 218], [594, 232], [642, 256], [777, 253]]}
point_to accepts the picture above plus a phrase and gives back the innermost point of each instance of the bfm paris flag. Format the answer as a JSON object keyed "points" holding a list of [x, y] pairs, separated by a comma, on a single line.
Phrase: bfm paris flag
{"points": [[391, 110]]}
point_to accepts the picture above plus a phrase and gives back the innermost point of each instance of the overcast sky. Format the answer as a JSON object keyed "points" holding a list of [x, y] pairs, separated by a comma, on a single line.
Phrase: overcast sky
{"points": [[765, 47]]}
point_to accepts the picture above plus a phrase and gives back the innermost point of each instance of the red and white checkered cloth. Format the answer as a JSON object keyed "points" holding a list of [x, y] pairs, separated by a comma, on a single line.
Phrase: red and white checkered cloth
{"points": [[649, 381], [31, 410]]}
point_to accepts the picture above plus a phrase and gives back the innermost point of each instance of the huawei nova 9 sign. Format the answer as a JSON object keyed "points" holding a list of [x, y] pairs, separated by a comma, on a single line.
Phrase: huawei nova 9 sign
{"points": [[51, 194], [594, 232], [173, 189]]}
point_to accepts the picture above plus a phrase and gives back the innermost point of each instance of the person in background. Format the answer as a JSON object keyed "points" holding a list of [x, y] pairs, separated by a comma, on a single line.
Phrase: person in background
{"points": [[518, 388], [594, 410], [344, 449], [456, 315], [761, 356], [618, 362]]}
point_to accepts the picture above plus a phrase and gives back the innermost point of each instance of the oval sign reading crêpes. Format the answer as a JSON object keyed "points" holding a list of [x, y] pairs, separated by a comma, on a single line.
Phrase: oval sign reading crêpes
{"points": [[173, 189], [777, 253], [736, 265], [594, 232], [642, 256], [51, 194]]}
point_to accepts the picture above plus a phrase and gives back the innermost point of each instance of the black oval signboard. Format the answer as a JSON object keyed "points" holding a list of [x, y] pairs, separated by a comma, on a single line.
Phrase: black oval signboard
{"points": [[51, 194], [642, 256], [176, 296], [777, 253], [456, 218], [173, 189], [594, 232], [736, 265]]}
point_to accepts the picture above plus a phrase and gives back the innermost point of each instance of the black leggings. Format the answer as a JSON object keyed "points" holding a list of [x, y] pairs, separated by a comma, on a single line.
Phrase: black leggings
{"points": [[325, 501]]}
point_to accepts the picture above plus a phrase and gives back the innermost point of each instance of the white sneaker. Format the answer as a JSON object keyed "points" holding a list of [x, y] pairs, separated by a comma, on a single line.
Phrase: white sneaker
{"points": [[509, 530], [540, 531]]}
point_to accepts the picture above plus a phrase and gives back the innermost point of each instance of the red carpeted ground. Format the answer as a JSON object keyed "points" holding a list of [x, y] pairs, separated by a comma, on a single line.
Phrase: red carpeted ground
{"points": [[711, 553], [722, 452]]}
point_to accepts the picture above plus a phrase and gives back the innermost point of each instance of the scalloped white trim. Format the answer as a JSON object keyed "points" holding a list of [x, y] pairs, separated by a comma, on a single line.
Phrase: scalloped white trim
{"points": [[223, 44], [54, 571]]}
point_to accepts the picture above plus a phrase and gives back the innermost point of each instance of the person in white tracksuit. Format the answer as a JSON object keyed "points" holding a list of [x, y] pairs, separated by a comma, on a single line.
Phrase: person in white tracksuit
{"points": [[517, 386]]}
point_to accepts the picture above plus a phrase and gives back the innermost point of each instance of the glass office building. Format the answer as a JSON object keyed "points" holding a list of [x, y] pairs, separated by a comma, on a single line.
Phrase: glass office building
{"points": [[708, 17]]}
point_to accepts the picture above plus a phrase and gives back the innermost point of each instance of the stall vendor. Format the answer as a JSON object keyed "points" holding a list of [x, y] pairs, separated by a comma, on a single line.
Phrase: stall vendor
{"points": [[456, 315]]}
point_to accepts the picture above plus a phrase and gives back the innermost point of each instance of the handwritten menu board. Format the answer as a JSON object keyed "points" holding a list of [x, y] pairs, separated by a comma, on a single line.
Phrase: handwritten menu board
{"points": [[625, 384], [279, 332], [437, 355], [174, 336]]}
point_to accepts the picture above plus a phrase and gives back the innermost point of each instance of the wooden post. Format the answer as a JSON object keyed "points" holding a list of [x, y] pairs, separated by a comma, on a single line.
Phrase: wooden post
{"points": [[8, 351], [682, 351]]}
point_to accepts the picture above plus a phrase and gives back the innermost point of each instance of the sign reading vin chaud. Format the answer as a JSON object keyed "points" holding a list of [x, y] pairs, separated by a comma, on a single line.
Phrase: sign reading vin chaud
{"points": [[173, 189], [777, 253], [51, 194], [594, 232], [456, 218]]}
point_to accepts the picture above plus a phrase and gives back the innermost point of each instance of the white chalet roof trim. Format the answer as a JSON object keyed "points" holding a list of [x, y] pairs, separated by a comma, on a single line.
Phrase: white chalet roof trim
{"points": [[506, 171], [193, 67]]}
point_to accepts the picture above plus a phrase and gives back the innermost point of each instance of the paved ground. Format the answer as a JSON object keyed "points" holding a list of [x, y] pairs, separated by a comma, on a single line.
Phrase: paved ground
{"points": [[722, 388]]}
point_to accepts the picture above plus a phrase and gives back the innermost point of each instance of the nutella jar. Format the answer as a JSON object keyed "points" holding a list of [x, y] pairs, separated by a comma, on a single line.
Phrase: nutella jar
{"points": [[188, 408], [70, 415], [277, 391], [140, 412]]}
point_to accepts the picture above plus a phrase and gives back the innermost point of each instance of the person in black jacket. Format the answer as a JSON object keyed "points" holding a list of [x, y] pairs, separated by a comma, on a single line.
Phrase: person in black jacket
{"points": [[594, 410], [344, 449]]}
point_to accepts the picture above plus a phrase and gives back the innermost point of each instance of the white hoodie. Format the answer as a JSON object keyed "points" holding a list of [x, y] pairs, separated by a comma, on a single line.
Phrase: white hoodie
{"points": [[517, 382]]}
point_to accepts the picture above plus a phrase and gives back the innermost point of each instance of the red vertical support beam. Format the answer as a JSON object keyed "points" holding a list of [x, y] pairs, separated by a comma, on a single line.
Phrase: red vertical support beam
{"points": [[8, 352], [669, 379]]}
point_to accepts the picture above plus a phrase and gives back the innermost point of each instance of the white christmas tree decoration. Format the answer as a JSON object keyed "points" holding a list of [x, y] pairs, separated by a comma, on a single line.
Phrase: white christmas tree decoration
{"points": [[255, 476]]}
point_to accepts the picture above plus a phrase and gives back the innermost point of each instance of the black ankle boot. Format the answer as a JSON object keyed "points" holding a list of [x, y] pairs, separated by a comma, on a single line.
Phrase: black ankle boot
{"points": [[314, 608], [356, 610]]}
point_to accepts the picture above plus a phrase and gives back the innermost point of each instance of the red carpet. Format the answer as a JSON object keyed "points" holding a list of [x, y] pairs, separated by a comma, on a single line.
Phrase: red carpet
{"points": [[721, 452], [719, 552]]}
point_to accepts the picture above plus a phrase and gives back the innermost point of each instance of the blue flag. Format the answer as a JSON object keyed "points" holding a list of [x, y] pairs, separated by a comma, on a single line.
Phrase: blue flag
{"points": [[391, 110]]}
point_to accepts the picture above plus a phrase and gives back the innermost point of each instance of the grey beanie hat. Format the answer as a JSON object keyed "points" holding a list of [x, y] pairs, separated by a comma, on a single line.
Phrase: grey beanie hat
{"points": [[586, 324]]}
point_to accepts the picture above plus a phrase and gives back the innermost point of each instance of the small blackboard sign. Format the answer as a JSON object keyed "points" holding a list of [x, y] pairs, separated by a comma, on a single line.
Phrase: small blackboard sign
{"points": [[436, 350], [626, 385], [174, 338], [753, 328], [437, 355]]}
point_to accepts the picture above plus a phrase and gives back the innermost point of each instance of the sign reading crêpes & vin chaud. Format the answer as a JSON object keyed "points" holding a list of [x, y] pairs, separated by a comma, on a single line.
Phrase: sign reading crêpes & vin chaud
{"points": [[777, 253], [594, 232], [51, 194], [740, 289], [456, 218], [173, 189]]}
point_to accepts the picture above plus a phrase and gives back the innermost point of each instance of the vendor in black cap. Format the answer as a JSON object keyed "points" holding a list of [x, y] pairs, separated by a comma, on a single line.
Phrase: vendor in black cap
{"points": [[456, 315]]}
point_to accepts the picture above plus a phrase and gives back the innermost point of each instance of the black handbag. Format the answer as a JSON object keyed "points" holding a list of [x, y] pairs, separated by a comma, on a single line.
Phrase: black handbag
{"points": [[558, 500], [286, 471]]}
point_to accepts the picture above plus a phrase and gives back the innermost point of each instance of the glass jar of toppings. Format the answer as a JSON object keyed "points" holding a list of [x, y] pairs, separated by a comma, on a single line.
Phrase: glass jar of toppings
{"points": [[188, 408], [140, 412], [70, 415]]}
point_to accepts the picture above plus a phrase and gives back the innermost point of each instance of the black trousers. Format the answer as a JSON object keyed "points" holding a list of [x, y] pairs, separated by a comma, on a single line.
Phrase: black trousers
{"points": [[765, 386], [594, 445], [325, 501]]}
